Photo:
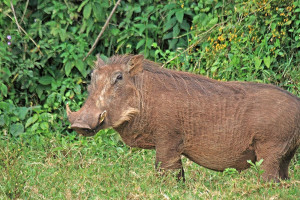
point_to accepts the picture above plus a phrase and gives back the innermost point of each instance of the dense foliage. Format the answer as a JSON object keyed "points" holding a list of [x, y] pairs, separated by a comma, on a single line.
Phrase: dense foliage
{"points": [[42, 68], [43, 43]]}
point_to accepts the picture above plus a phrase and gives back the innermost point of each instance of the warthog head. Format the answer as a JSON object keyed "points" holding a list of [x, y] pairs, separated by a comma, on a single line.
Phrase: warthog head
{"points": [[113, 98]]}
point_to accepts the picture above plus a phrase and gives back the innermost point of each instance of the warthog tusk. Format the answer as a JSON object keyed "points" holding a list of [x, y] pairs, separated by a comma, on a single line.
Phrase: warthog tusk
{"points": [[102, 116]]}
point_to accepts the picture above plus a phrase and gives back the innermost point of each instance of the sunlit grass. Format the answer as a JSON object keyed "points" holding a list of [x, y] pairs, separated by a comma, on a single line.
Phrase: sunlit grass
{"points": [[83, 170]]}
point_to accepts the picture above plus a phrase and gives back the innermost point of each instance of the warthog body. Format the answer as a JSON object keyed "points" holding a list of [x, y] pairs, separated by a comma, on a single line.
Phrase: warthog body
{"points": [[216, 124]]}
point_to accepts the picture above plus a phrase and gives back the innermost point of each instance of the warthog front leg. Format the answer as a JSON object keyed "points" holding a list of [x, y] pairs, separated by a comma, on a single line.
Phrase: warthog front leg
{"points": [[168, 156]]}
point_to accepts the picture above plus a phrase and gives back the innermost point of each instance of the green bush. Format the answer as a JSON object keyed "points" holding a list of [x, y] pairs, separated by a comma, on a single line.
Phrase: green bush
{"points": [[41, 61]]}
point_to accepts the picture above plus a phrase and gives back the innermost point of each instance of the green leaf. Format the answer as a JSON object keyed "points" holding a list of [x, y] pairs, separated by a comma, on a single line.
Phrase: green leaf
{"points": [[179, 15], [57, 149], [44, 125], [81, 67], [219, 5], [288, 22], [185, 25], [137, 9], [6, 73], [63, 34], [170, 24], [213, 21], [258, 163], [257, 62], [39, 91], [2, 121], [173, 43], [168, 36], [81, 5], [77, 89], [4, 89], [115, 31], [31, 120], [273, 26], [87, 10], [140, 43], [45, 80], [16, 129], [251, 163], [176, 30], [68, 67], [98, 11], [51, 99], [214, 69], [141, 28], [22, 112], [251, 19], [267, 61], [34, 127]]}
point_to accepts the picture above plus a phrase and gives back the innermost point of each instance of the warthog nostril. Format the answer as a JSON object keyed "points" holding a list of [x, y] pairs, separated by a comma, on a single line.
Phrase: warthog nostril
{"points": [[80, 126], [86, 130]]}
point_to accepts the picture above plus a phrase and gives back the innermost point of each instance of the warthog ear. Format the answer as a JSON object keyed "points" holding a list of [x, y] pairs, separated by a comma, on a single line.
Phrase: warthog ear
{"points": [[99, 62], [134, 65]]}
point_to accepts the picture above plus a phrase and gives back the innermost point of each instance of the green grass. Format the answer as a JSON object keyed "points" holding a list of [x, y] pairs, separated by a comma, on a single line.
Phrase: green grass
{"points": [[104, 168]]}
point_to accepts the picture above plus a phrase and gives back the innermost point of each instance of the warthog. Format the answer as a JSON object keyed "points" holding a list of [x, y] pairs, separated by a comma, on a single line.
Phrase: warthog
{"points": [[215, 124]]}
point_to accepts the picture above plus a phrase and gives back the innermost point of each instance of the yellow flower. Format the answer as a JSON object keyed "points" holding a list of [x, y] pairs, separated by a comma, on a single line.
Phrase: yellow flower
{"points": [[182, 5], [221, 38]]}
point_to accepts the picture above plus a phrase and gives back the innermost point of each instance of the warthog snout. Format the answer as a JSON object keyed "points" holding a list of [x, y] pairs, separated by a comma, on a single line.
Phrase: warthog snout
{"points": [[84, 122], [81, 127]]}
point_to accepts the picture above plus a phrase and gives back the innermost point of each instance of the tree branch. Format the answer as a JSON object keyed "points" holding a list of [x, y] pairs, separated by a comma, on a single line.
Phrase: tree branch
{"points": [[25, 10], [21, 29], [102, 30], [13, 10]]}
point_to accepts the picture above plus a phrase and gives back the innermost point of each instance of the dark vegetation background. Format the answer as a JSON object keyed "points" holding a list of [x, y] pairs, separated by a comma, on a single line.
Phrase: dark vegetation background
{"points": [[43, 42]]}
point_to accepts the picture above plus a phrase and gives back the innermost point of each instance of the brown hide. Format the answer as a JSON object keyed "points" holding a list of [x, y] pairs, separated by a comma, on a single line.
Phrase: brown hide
{"points": [[215, 124]]}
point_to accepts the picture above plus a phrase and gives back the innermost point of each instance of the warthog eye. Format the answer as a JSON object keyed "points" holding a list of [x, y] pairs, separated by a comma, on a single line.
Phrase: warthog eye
{"points": [[116, 77], [119, 77]]}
